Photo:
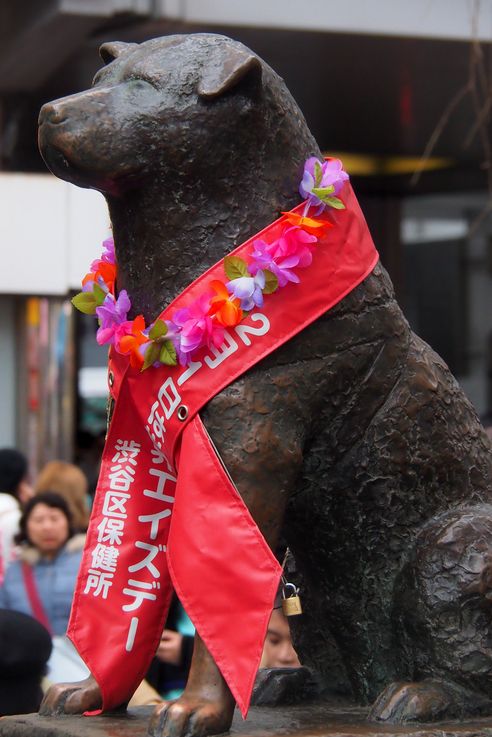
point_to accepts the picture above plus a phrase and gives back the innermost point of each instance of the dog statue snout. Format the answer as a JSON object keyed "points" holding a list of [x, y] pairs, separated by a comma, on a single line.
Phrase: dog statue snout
{"points": [[52, 113]]}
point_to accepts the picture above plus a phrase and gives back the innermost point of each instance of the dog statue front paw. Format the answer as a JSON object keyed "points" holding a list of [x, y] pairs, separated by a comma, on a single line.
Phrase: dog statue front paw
{"points": [[190, 716], [72, 698]]}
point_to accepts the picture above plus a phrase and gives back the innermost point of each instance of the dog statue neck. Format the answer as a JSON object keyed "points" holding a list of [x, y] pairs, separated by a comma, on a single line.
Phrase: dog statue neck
{"points": [[169, 232]]}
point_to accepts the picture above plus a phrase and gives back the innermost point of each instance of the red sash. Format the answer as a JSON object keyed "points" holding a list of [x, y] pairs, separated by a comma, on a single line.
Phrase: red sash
{"points": [[166, 513]]}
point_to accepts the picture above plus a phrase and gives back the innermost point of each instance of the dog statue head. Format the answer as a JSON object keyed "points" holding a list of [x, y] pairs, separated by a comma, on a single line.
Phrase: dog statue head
{"points": [[179, 106]]}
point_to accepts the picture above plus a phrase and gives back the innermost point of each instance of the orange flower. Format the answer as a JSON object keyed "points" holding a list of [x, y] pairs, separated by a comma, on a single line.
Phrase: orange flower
{"points": [[226, 309], [106, 271], [130, 343], [311, 225]]}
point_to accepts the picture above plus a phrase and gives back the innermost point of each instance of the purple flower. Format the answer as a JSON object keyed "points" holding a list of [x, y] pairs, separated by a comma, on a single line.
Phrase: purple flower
{"points": [[248, 289], [318, 175], [292, 249], [111, 313], [108, 254], [192, 328]]}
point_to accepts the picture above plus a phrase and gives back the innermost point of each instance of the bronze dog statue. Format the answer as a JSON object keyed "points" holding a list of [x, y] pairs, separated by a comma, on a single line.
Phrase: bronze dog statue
{"points": [[353, 441]]}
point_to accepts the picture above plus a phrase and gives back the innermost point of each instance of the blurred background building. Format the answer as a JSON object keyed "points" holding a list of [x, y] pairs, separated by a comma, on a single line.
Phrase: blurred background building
{"points": [[381, 83]]}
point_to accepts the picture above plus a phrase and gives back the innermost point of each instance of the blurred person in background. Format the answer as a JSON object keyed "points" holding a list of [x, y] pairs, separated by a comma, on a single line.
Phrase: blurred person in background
{"points": [[25, 647], [278, 651], [15, 491], [71, 483], [281, 679], [169, 670], [41, 581]]}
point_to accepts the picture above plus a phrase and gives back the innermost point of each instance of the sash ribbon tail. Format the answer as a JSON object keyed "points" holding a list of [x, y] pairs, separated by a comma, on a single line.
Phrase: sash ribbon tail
{"points": [[124, 587], [221, 566]]}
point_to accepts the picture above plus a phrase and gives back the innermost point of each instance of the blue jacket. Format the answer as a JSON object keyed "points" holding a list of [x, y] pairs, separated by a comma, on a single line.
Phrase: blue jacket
{"points": [[55, 582]]}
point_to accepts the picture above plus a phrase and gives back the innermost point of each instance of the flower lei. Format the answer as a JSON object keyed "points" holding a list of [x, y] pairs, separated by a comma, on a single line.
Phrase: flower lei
{"points": [[202, 323]]}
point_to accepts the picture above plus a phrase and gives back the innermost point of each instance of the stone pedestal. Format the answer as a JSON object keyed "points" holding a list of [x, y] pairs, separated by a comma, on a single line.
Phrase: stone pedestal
{"points": [[302, 721]]}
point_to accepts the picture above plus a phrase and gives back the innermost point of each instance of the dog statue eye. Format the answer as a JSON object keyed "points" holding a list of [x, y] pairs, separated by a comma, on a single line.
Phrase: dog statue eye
{"points": [[97, 78], [137, 83]]}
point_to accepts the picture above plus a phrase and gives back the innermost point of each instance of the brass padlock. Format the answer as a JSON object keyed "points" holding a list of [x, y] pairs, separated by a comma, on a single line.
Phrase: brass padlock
{"points": [[291, 605]]}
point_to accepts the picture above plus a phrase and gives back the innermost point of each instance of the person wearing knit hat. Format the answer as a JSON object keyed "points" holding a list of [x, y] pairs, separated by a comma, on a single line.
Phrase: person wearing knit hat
{"points": [[25, 647], [15, 490]]}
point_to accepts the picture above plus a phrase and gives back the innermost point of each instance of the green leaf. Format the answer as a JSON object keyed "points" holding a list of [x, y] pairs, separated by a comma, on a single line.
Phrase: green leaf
{"points": [[151, 355], [168, 354], [271, 282], [85, 302], [99, 294], [158, 330], [335, 202], [323, 192], [318, 174], [235, 267]]}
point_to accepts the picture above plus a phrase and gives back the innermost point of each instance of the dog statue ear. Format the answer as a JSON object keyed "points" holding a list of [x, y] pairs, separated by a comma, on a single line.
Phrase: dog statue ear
{"points": [[111, 50], [233, 66]]}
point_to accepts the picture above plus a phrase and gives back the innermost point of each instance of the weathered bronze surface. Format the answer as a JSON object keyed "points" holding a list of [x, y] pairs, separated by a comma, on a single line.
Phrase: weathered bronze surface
{"points": [[353, 442], [316, 720]]}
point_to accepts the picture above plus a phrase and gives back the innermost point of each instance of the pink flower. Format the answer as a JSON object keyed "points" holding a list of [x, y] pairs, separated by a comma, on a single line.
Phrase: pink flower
{"points": [[191, 328], [293, 249], [120, 331]]}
